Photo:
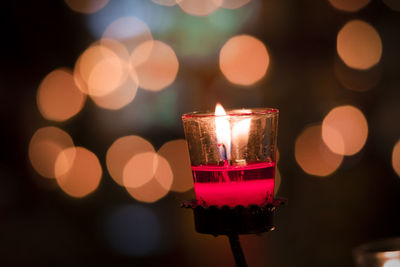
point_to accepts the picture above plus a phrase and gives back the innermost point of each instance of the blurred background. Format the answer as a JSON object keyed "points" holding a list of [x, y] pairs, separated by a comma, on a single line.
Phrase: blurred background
{"points": [[94, 164]]}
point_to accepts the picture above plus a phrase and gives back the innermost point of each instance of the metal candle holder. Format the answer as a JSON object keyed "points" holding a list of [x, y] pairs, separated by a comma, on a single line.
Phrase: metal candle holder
{"points": [[233, 158], [234, 221]]}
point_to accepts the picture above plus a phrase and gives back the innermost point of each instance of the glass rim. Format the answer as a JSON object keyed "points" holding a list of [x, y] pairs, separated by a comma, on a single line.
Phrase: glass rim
{"points": [[232, 113]]}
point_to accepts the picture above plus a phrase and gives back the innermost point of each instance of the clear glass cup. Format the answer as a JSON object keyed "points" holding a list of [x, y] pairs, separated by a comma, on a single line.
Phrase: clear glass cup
{"points": [[382, 253], [233, 155]]}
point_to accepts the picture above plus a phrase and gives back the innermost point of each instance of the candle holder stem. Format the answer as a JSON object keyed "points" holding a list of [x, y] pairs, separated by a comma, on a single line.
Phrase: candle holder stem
{"points": [[237, 250]]}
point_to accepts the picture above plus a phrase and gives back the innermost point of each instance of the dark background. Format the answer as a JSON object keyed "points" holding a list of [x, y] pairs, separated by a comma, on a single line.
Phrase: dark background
{"points": [[326, 218]]}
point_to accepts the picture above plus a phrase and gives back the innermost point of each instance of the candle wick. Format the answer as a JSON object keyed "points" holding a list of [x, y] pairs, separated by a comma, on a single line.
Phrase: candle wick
{"points": [[224, 157], [222, 152]]}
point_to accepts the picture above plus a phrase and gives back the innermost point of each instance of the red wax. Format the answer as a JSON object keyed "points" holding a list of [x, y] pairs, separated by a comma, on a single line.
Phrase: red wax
{"points": [[234, 185]]}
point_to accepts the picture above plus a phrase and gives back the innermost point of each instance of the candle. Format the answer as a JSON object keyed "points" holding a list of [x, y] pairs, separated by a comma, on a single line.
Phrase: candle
{"points": [[232, 155], [223, 132]]}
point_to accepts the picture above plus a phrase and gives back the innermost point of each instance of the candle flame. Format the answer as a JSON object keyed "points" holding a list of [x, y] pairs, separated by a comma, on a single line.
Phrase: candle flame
{"points": [[240, 131], [223, 131], [219, 110]]}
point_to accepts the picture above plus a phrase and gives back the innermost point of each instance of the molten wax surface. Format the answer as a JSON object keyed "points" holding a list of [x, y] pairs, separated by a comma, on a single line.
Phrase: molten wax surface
{"points": [[234, 185]]}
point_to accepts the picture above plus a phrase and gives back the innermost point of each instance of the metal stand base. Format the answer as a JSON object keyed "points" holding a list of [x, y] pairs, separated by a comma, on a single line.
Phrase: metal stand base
{"points": [[234, 221]]}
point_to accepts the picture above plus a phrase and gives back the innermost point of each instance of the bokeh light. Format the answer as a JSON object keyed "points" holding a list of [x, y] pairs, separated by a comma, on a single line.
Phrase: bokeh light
{"points": [[156, 17], [86, 6], [45, 146], [118, 98], [147, 177], [392, 263], [396, 158], [149, 193], [121, 151], [359, 45], [58, 97], [393, 4], [313, 156], [84, 171], [105, 76], [140, 169], [155, 64], [244, 60], [200, 8], [166, 2], [130, 31], [349, 5], [115, 46], [345, 130], [233, 4], [211, 32], [163, 174], [177, 154], [357, 80], [124, 93], [133, 230], [99, 71]]}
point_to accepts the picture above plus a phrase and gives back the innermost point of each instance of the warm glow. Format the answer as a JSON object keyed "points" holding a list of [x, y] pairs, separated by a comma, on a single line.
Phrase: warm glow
{"points": [[115, 46], [149, 192], [345, 130], [105, 76], [177, 155], [359, 45], [58, 97], [125, 92], [44, 148], [313, 156], [233, 4], [200, 8], [86, 6], [392, 263], [84, 174], [155, 64], [244, 60], [121, 151], [396, 158], [99, 71], [240, 136], [119, 98], [349, 5], [140, 169], [80, 82], [147, 176], [130, 31], [164, 175], [223, 132], [240, 131]]}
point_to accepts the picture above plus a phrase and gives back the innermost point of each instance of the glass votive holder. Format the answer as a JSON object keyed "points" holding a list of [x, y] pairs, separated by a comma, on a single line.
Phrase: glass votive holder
{"points": [[382, 253], [233, 155]]}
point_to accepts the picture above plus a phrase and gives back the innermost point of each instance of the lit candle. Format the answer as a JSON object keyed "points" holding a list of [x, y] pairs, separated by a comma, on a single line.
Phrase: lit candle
{"points": [[240, 137], [232, 165], [223, 132]]}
